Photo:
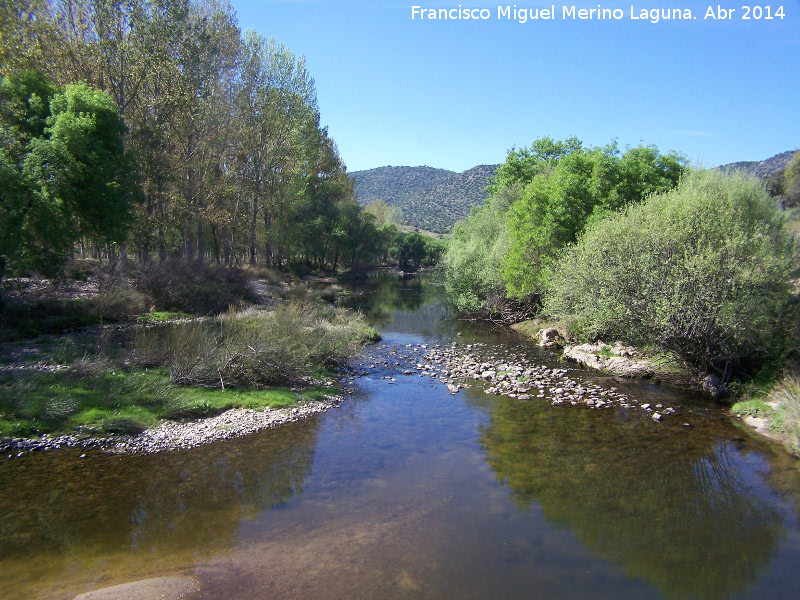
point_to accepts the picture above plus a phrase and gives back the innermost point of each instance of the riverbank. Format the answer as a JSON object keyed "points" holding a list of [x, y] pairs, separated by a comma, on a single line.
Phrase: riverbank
{"points": [[772, 413], [114, 385], [177, 435]]}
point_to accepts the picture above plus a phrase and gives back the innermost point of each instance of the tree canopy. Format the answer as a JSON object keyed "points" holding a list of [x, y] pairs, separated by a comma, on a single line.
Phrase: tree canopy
{"points": [[703, 270], [64, 171]]}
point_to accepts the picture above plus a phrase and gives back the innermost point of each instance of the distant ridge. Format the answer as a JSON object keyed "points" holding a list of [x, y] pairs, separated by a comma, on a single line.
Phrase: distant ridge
{"points": [[763, 168], [428, 198], [434, 199]]}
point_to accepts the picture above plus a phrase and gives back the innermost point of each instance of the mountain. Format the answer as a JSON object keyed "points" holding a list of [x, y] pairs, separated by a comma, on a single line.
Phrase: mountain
{"points": [[428, 198], [763, 168]]}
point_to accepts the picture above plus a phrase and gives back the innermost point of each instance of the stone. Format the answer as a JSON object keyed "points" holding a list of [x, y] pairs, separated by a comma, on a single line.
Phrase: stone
{"points": [[549, 337], [713, 386]]}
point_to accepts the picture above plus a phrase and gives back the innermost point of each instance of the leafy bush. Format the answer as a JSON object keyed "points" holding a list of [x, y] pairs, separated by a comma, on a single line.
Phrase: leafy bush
{"points": [[195, 287], [253, 348], [117, 301], [572, 190], [703, 271], [474, 255]]}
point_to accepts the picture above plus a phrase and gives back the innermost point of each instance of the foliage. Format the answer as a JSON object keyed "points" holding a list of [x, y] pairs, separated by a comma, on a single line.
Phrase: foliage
{"points": [[64, 170], [195, 288], [787, 395], [702, 271], [791, 180], [574, 185], [253, 348], [475, 254]]}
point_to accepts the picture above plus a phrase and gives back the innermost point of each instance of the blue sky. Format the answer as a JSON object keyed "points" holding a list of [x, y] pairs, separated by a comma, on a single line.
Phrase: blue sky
{"points": [[458, 93]]}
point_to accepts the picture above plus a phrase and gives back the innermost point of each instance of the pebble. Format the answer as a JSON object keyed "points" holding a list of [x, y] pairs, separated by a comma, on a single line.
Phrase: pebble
{"points": [[174, 435]]}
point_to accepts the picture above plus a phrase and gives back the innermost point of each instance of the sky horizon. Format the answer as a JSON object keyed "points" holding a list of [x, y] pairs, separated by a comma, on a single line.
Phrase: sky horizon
{"points": [[400, 91]]}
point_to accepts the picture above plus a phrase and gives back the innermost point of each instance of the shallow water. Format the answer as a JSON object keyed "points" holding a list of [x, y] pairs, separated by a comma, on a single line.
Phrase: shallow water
{"points": [[407, 491]]}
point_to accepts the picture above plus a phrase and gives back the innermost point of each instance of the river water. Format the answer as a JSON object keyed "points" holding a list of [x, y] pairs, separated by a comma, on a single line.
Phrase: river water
{"points": [[407, 491]]}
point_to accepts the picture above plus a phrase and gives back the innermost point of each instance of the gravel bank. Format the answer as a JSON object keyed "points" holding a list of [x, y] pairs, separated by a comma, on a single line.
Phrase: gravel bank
{"points": [[174, 435]]}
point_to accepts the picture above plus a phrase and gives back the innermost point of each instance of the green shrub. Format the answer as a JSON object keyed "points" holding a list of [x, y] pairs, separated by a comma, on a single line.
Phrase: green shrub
{"points": [[474, 255], [702, 271], [117, 301]]}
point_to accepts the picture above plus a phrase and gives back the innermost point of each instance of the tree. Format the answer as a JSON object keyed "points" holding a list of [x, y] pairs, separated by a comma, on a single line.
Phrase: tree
{"points": [[475, 255], [577, 187], [703, 271], [65, 173]]}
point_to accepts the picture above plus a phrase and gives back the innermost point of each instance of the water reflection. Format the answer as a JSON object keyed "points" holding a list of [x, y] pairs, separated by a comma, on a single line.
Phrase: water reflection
{"points": [[163, 511], [673, 506]]}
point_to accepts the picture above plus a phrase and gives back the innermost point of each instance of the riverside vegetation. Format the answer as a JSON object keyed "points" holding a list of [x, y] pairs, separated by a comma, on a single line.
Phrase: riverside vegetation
{"points": [[124, 378], [695, 267], [154, 159]]}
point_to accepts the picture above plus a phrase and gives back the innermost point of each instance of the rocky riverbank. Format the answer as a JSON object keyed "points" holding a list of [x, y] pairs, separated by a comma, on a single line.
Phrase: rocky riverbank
{"points": [[504, 373], [616, 358], [176, 435]]}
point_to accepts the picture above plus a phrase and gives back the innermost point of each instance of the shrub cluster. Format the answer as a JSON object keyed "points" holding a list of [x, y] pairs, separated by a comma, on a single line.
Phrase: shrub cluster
{"points": [[253, 348], [702, 271], [195, 287]]}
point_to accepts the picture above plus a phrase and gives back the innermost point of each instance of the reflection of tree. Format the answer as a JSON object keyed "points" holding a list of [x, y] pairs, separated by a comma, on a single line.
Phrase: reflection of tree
{"points": [[380, 297], [671, 508], [193, 499]]}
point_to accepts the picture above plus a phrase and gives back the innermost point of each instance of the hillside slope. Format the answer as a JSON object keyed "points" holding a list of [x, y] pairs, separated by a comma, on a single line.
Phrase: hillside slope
{"points": [[763, 168], [428, 198]]}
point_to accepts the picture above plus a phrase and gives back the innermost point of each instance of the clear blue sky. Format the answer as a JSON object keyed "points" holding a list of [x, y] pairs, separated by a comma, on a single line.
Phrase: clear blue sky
{"points": [[459, 93]]}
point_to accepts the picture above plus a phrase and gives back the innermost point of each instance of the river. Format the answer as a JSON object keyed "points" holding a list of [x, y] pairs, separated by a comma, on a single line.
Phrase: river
{"points": [[408, 491]]}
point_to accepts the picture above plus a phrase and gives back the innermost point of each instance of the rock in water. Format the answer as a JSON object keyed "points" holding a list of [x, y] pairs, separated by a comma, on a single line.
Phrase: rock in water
{"points": [[713, 386]]}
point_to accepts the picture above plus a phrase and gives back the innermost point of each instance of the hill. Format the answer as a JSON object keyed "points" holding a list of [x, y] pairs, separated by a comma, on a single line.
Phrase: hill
{"points": [[428, 198], [763, 168], [434, 199]]}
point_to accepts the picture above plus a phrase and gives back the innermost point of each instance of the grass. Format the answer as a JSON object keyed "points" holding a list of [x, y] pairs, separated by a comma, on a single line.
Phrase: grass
{"points": [[122, 401], [163, 316], [254, 348], [786, 394], [123, 381], [753, 408]]}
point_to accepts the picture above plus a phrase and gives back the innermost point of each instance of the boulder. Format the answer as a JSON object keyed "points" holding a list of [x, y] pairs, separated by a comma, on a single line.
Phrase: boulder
{"points": [[713, 386], [549, 337]]}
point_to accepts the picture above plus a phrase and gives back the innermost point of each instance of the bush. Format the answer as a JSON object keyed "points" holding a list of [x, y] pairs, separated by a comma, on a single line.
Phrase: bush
{"points": [[196, 288], [254, 348], [474, 255], [702, 271], [117, 301]]}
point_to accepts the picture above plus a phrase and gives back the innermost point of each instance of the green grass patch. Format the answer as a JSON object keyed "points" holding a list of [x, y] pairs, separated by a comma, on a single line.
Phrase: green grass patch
{"points": [[123, 402], [753, 408], [162, 316], [605, 351]]}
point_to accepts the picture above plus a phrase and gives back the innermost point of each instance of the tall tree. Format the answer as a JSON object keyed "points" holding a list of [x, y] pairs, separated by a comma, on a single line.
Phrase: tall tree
{"points": [[277, 98]]}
